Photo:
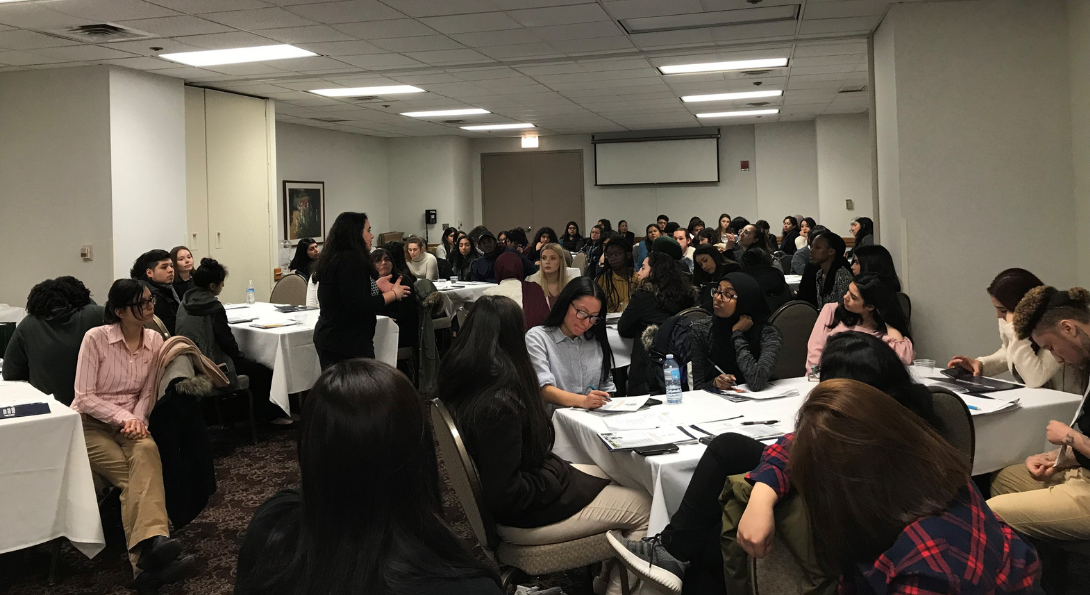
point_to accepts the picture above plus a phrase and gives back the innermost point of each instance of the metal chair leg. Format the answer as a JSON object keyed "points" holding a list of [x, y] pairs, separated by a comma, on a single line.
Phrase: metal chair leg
{"points": [[250, 408], [54, 556]]}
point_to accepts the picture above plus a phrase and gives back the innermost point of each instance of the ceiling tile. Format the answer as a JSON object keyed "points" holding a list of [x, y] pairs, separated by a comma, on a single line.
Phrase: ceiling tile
{"points": [[346, 12], [616, 64], [38, 16], [852, 59], [82, 52], [247, 69], [578, 31], [855, 24], [428, 8], [450, 57], [223, 41], [601, 44], [112, 10], [386, 29], [311, 34], [342, 48], [487, 73], [845, 9], [143, 47], [313, 64], [490, 21], [559, 15], [202, 6], [736, 33], [418, 44], [26, 59], [425, 79], [176, 26], [16, 39], [142, 63], [631, 9], [830, 49], [556, 68], [262, 18], [524, 50], [380, 61], [672, 38], [491, 38], [517, 4]]}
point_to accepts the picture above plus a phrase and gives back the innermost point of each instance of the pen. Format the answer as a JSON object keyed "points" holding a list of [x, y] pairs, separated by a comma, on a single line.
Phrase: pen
{"points": [[973, 408], [591, 387], [757, 423]]}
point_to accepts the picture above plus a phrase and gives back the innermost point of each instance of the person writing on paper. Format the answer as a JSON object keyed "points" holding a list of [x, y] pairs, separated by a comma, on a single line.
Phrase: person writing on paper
{"points": [[1049, 496], [570, 350], [1030, 365], [488, 382], [735, 345], [870, 306]]}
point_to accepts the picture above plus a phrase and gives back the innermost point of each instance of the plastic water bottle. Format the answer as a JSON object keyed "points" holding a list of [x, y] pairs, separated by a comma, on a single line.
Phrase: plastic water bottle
{"points": [[672, 375], [251, 294]]}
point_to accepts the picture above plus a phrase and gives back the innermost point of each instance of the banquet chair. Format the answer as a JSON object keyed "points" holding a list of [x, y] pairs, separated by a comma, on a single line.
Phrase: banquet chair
{"points": [[580, 262], [956, 419], [906, 304], [291, 290], [778, 573], [785, 263], [157, 325], [695, 313], [516, 562], [795, 320]]}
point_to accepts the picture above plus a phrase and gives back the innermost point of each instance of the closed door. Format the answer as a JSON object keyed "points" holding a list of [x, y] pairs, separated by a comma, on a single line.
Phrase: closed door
{"points": [[532, 190]]}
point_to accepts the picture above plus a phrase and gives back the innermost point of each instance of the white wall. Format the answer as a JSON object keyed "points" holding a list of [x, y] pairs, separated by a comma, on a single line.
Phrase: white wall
{"points": [[147, 164], [844, 169], [787, 172], [55, 178], [428, 173], [352, 166], [890, 220], [1078, 19], [983, 156]]}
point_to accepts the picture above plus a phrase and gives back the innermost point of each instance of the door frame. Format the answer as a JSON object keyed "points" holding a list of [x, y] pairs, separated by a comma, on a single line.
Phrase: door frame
{"points": [[582, 180]]}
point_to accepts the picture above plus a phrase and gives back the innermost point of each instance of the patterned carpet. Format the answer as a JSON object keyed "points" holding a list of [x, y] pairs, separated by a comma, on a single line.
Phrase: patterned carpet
{"points": [[246, 478]]}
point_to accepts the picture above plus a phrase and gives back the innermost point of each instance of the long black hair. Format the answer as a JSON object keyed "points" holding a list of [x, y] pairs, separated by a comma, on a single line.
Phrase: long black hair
{"points": [[345, 237], [887, 308], [371, 518], [672, 292], [124, 293], [488, 366], [457, 261], [876, 259], [870, 360], [605, 274], [301, 262], [209, 273], [575, 289], [452, 234], [606, 225], [737, 224], [56, 295], [566, 235], [700, 276], [866, 228]]}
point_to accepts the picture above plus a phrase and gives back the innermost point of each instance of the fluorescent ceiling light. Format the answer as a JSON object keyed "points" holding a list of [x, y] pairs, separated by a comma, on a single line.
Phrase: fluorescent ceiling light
{"points": [[740, 113], [731, 96], [498, 126], [723, 66], [238, 55], [475, 111], [367, 91]]}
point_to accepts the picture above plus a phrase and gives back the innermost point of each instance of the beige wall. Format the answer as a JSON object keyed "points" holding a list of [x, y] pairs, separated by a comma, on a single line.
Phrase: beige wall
{"points": [[844, 168], [1078, 19]]}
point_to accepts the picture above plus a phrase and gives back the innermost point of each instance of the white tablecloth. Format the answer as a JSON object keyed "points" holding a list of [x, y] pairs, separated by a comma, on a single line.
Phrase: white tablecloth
{"points": [[1002, 438], [466, 292], [793, 281], [11, 313], [289, 350], [46, 488]]}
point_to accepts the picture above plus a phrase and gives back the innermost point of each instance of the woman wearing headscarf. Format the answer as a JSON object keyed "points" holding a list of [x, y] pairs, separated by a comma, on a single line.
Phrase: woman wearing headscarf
{"points": [[736, 345], [513, 284]]}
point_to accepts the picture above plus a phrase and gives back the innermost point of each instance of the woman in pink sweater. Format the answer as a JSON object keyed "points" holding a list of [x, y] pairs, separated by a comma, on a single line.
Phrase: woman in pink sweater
{"points": [[869, 306]]}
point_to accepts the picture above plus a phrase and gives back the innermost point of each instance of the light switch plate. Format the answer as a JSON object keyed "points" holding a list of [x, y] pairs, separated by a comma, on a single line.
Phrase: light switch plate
{"points": [[849, 204], [87, 252]]}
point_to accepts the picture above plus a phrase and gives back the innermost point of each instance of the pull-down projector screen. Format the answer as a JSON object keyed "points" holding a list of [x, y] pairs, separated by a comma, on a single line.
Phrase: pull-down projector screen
{"points": [[683, 161]]}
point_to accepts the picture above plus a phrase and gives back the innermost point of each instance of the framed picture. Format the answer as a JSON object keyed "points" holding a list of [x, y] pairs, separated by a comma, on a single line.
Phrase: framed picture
{"points": [[304, 211]]}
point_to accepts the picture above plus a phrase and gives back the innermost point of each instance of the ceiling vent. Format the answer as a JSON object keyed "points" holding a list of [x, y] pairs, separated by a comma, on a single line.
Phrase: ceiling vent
{"points": [[758, 104], [364, 99], [330, 120], [756, 72], [454, 121], [99, 33], [852, 89]]}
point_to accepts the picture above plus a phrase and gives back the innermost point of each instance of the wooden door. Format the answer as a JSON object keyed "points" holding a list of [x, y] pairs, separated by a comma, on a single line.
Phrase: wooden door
{"points": [[532, 190], [557, 190], [506, 198]]}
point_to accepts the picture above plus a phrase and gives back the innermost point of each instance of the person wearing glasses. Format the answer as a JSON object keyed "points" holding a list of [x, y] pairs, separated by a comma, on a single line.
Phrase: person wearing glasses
{"points": [[736, 345], [115, 393], [570, 350]]}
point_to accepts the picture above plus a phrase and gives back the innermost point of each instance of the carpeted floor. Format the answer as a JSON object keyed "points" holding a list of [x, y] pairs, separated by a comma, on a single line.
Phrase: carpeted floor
{"points": [[246, 477]]}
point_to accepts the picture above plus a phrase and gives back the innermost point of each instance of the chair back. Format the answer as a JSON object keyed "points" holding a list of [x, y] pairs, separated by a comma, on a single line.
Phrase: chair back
{"points": [[785, 263], [580, 262], [461, 316], [463, 476], [957, 421], [906, 304], [695, 313], [291, 290], [157, 325], [446, 270], [795, 320], [778, 573], [390, 236]]}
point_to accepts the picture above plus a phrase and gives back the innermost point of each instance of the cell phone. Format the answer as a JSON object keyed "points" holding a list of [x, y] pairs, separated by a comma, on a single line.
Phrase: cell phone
{"points": [[661, 449]]}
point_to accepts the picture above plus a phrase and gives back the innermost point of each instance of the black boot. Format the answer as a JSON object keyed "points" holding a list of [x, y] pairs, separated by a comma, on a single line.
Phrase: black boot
{"points": [[149, 581], [157, 552]]}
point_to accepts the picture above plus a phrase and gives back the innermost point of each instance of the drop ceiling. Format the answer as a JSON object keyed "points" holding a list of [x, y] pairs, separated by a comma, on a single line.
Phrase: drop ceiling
{"points": [[568, 66]]}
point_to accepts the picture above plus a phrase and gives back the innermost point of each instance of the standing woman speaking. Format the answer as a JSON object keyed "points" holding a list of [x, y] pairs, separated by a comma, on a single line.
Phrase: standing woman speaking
{"points": [[350, 291]]}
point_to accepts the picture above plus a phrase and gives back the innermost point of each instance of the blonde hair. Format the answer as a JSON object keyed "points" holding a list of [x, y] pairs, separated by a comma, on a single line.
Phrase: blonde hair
{"points": [[562, 277]]}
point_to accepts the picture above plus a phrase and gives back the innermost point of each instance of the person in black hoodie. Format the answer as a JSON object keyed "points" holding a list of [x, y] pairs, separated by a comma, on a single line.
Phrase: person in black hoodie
{"points": [[484, 268], [757, 263], [790, 233], [488, 382], [155, 270], [45, 346], [711, 266]]}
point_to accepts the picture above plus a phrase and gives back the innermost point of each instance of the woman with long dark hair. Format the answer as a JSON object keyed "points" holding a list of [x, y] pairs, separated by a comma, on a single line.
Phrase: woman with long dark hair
{"points": [[404, 312], [447, 247], [461, 260], [488, 381], [572, 240], [351, 292], [876, 259], [622, 229], [723, 231], [736, 345], [570, 350], [367, 518], [619, 276], [1031, 365], [870, 306], [661, 293], [863, 230], [182, 259], [544, 237], [306, 256], [806, 224], [790, 234], [827, 277], [652, 234]]}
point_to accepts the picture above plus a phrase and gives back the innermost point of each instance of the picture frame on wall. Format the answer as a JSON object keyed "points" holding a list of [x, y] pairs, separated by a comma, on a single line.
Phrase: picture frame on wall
{"points": [[304, 211]]}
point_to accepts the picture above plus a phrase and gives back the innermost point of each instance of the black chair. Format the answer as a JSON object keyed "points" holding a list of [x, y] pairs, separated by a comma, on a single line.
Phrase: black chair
{"points": [[956, 419], [906, 304], [795, 320], [445, 268], [785, 263]]}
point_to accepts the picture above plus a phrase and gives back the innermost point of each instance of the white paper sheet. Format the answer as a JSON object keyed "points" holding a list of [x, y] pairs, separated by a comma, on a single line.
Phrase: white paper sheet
{"points": [[623, 405], [629, 439], [642, 420]]}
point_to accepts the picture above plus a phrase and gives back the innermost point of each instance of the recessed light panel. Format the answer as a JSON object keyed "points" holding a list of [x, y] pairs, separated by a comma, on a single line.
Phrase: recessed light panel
{"points": [[367, 91], [741, 113], [261, 53], [498, 126], [731, 96], [447, 112], [723, 66]]}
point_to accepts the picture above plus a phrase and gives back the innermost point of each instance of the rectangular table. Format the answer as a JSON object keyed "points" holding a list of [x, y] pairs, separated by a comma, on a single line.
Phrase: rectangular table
{"points": [[45, 477], [793, 281], [465, 292], [289, 351], [1002, 438]]}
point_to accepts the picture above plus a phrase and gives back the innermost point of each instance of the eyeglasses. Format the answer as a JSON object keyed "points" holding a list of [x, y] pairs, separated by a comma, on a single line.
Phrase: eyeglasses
{"points": [[726, 296], [583, 315], [148, 303]]}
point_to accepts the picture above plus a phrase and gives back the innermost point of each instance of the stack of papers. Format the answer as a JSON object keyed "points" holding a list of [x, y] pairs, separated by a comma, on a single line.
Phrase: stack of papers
{"points": [[755, 431], [741, 393], [622, 405], [986, 406], [642, 420], [630, 439], [239, 315]]}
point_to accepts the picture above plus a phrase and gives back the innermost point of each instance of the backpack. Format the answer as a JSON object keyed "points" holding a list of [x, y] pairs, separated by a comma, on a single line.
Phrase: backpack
{"points": [[672, 337]]}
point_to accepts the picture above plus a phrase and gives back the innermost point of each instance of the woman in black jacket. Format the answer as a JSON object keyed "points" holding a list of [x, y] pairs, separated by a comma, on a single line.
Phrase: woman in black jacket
{"points": [[488, 382], [790, 233], [461, 260], [350, 291], [572, 241], [306, 255], [827, 277], [661, 293], [406, 312]]}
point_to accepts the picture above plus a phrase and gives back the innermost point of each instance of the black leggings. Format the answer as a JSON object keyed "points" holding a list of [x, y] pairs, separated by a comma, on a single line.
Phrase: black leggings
{"points": [[694, 530]]}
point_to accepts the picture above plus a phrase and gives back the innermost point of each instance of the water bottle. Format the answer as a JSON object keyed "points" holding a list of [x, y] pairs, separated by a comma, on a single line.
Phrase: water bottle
{"points": [[672, 375], [251, 294]]}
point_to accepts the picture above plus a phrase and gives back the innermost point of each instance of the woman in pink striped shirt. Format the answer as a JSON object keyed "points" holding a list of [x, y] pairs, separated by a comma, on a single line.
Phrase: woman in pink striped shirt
{"points": [[114, 392], [869, 306]]}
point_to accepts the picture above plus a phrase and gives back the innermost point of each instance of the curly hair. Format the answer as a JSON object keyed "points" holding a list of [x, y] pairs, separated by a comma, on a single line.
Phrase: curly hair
{"points": [[53, 295], [1045, 306], [672, 292]]}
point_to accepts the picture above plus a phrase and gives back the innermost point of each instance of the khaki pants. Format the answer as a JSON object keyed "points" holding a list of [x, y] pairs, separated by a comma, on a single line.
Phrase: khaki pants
{"points": [[133, 466], [615, 507], [1057, 509]]}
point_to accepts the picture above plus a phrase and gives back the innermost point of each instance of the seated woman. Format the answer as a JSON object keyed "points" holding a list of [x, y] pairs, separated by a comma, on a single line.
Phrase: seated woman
{"points": [[652, 234], [367, 516], [570, 350], [661, 293], [461, 260], [870, 306], [876, 259], [306, 255], [735, 345], [405, 312], [182, 260], [512, 284], [553, 274], [420, 262], [487, 380], [115, 393], [544, 237], [618, 277], [711, 265], [447, 243], [484, 268], [863, 230], [1031, 365], [826, 278], [757, 263], [805, 225]]}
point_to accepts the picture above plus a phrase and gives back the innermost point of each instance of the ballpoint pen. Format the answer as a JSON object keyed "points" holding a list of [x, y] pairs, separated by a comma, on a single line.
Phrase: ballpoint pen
{"points": [[758, 423]]}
